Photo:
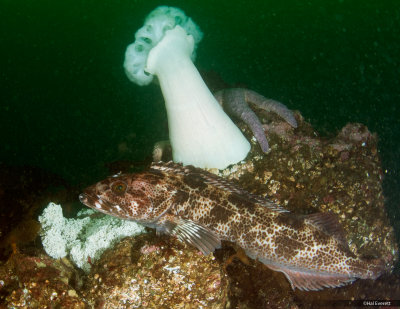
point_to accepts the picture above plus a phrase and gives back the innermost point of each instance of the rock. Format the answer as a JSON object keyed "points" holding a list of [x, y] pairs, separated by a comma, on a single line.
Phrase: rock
{"points": [[152, 272], [39, 282], [307, 174], [303, 172]]}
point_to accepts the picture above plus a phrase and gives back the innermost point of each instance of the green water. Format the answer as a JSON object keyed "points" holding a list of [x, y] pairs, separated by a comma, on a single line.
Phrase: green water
{"points": [[66, 105]]}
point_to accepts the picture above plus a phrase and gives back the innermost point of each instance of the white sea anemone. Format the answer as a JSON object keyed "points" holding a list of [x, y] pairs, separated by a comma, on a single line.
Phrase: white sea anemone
{"points": [[200, 132]]}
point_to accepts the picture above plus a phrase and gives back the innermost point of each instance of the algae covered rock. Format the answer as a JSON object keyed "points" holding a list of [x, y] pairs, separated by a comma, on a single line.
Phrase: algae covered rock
{"points": [[306, 173], [151, 272], [39, 282]]}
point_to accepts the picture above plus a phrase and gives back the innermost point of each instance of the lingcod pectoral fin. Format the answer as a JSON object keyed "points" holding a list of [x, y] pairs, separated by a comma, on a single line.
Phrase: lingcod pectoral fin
{"points": [[329, 224], [312, 281], [191, 233]]}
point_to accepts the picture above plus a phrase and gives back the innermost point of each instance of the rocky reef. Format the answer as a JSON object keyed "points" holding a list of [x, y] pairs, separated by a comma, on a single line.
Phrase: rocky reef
{"points": [[151, 272], [302, 172], [306, 174]]}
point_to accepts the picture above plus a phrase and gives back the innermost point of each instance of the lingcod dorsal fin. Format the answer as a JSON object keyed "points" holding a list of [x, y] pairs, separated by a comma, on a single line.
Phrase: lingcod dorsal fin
{"points": [[209, 178], [196, 235]]}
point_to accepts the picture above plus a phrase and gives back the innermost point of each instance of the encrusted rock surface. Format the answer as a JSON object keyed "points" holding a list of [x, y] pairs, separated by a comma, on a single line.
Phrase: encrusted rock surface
{"points": [[306, 174], [151, 272], [142, 272], [303, 172], [39, 282]]}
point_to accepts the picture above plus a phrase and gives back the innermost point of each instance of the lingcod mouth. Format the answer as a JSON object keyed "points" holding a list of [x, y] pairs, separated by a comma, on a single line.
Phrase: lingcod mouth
{"points": [[95, 202], [84, 199]]}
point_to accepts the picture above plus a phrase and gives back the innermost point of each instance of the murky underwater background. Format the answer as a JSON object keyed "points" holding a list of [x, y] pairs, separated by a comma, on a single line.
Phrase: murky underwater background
{"points": [[67, 107]]}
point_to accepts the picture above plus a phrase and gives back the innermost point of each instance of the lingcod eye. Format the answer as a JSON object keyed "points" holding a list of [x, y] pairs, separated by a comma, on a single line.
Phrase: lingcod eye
{"points": [[119, 187]]}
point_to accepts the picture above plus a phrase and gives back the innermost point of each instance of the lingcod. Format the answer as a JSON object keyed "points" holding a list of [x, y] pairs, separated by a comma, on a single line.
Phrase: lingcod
{"points": [[203, 209]]}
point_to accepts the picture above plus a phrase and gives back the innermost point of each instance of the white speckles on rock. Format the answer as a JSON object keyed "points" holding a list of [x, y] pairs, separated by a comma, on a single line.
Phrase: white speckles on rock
{"points": [[173, 276]]}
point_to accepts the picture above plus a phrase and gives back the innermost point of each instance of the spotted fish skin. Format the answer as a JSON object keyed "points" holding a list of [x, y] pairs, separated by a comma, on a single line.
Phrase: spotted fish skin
{"points": [[202, 209]]}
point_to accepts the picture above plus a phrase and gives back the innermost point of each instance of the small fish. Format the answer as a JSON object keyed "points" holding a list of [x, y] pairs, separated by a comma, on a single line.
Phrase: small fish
{"points": [[202, 209]]}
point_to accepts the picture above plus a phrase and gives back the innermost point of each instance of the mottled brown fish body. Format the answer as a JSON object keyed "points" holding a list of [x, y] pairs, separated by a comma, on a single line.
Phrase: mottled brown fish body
{"points": [[203, 209]]}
